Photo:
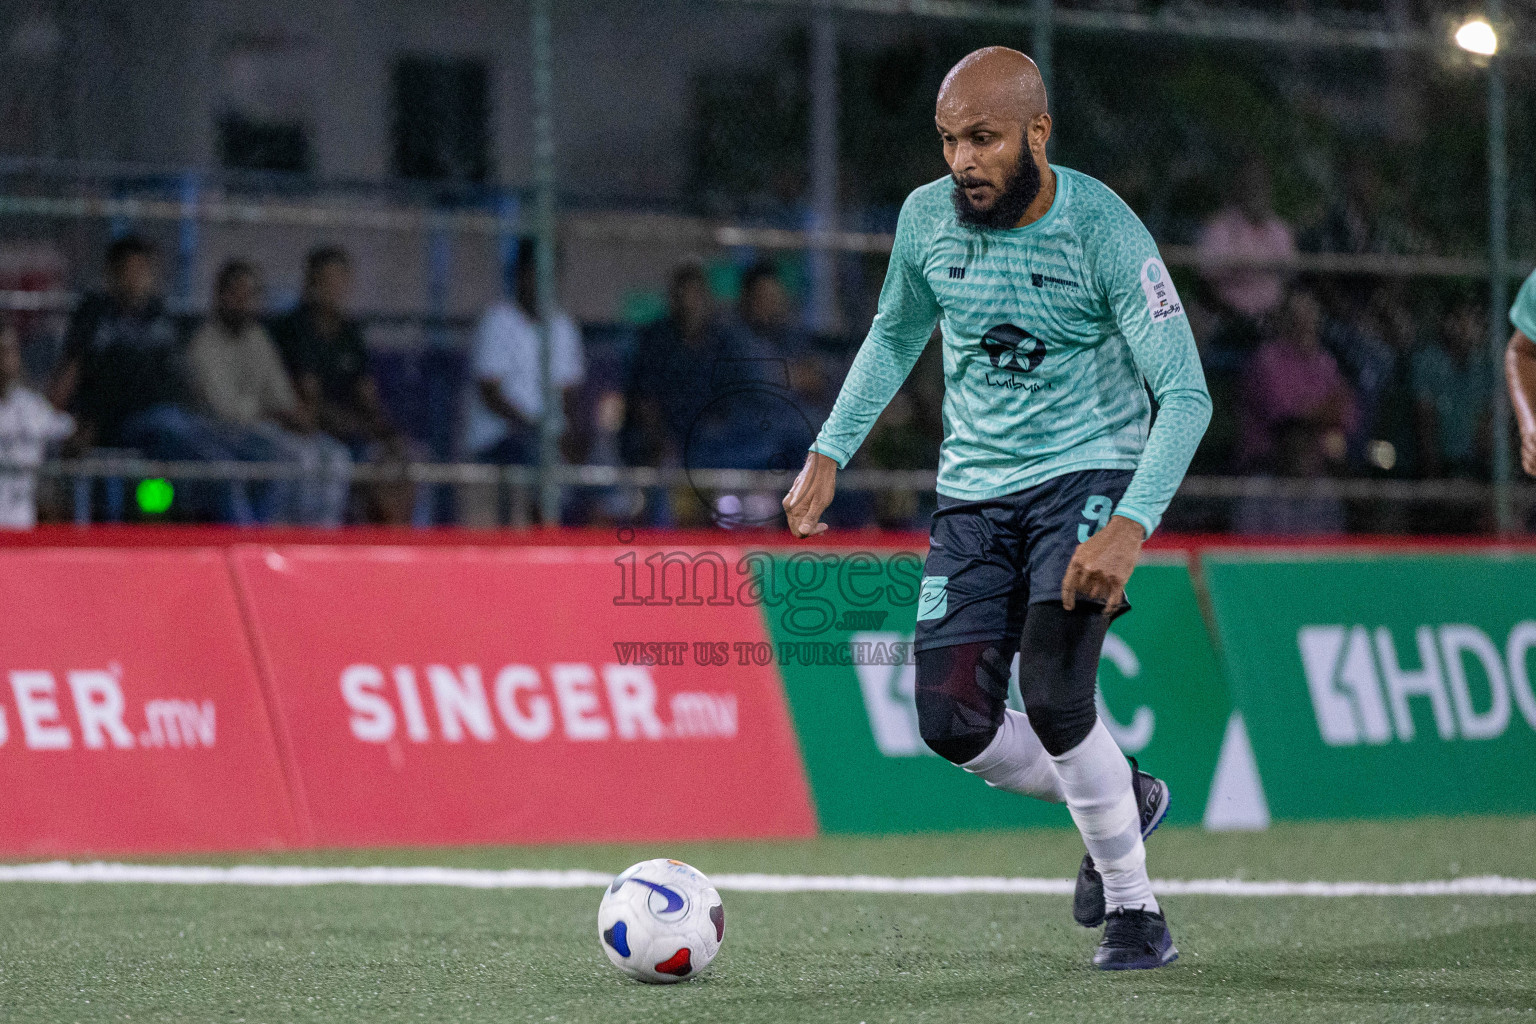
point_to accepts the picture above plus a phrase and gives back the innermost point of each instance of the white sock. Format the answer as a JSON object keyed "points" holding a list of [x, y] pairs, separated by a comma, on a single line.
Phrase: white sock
{"points": [[1097, 782], [1016, 762]]}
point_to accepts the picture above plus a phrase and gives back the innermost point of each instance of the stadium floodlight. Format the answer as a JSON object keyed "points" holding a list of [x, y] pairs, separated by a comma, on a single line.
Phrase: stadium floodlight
{"points": [[1477, 36]]}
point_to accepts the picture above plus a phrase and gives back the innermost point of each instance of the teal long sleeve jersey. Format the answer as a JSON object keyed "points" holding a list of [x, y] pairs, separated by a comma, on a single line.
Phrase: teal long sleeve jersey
{"points": [[1049, 331]]}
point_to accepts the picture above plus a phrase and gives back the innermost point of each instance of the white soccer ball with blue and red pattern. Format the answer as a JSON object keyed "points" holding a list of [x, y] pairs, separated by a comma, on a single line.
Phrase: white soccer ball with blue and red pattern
{"points": [[661, 921]]}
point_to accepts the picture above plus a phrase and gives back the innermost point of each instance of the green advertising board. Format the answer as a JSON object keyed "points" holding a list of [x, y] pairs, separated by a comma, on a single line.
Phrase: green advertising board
{"points": [[841, 639], [1383, 685]]}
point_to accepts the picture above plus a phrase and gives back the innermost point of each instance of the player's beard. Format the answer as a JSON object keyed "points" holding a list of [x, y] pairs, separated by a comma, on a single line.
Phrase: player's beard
{"points": [[1021, 188]]}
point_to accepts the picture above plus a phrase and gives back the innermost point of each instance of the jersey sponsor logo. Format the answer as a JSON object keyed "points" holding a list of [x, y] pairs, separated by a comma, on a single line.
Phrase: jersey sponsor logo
{"points": [[1045, 280], [1361, 680], [957, 273], [1162, 301], [1013, 348]]}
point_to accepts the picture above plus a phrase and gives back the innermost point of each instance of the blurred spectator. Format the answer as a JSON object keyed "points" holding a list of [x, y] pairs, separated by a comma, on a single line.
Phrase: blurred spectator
{"points": [[1452, 387], [721, 396], [1361, 217], [323, 350], [763, 398], [123, 376], [1374, 349], [239, 376], [1247, 228], [1301, 453], [1393, 433], [1354, 333], [31, 268], [27, 425], [765, 324], [506, 399], [671, 371], [1349, 223], [1293, 379], [506, 403]]}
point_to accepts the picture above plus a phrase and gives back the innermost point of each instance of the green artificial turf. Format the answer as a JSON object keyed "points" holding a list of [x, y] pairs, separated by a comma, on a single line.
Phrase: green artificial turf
{"points": [[346, 953]]}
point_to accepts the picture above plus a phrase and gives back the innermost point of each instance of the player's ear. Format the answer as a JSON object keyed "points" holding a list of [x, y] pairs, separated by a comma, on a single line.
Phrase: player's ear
{"points": [[1039, 132]]}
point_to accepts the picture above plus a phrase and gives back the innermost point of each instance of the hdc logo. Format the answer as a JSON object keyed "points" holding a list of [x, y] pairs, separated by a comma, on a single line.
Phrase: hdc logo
{"points": [[1360, 687]]}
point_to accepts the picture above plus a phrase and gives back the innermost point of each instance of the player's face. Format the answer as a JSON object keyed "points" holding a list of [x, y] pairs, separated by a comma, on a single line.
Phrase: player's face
{"points": [[986, 195], [983, 153]]}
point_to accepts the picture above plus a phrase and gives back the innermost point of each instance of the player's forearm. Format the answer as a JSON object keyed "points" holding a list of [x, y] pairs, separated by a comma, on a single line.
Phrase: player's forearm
{"points": [[1520, 369], [1181, 421], [874, 378]]}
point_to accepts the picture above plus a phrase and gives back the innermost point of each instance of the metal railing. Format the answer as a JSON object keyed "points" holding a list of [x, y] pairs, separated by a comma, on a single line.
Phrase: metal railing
{"points": [[619, 226], [1176, 21], [524, 482]]}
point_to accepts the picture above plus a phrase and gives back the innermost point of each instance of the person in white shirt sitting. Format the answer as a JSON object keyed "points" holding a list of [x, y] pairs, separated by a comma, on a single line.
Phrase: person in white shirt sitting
{"points": [[27, 425]]}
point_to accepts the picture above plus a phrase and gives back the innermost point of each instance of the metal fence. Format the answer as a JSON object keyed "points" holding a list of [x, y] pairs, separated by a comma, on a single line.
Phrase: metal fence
{"points": [[98, 489]]}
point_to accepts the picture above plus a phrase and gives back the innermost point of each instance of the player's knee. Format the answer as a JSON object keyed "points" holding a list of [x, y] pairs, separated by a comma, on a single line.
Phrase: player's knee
{"points": [[960, 699], [1058, 674], [949, 737], [959, 749], [1061, 724]]}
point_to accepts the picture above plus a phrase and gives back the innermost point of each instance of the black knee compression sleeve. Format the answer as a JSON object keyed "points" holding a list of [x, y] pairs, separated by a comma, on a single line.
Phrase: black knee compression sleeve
{"points": [[1058, 673], [961, 693]]}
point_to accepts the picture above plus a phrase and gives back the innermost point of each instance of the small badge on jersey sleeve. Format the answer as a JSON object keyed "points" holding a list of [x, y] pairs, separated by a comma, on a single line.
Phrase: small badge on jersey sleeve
{"points": [[1162, 300]]}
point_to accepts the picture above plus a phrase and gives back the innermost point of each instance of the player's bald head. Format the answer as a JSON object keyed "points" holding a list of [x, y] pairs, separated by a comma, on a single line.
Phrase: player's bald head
{"points": [[993, 82]]}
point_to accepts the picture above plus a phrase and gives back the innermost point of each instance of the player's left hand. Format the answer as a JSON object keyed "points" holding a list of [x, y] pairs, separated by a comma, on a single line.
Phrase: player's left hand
{"points": [[1102, 564], [1528, 453], [810, 495]]}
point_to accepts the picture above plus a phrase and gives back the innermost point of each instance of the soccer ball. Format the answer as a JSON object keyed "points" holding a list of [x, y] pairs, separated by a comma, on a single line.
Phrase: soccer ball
{"points": [[661, 922]]}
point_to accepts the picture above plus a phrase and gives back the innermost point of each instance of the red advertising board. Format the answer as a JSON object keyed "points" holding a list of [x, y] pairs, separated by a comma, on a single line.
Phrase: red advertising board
{"points": [[131, 715], [480, 695]]}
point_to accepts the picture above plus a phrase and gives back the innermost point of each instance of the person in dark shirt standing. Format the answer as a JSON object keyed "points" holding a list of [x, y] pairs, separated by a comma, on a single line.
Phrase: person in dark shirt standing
{"points": [[322, 348], [123, 377], [671, 372]]}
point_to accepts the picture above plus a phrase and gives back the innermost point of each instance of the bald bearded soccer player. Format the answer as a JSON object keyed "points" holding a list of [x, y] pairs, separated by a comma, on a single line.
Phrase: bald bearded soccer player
{"points": [[1056, 315]]}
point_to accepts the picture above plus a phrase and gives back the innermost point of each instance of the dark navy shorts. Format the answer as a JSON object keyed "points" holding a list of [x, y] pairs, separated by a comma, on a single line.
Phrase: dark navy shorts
{"points": [[989, 560]]}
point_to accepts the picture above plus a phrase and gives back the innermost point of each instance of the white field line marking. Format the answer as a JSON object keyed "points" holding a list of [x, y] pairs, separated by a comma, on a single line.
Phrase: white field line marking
{"points": [[476, 878]]}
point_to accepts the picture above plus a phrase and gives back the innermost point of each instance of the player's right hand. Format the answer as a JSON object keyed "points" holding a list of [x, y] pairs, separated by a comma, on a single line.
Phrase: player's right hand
{"points": [[810, 495], [1528, 453]]}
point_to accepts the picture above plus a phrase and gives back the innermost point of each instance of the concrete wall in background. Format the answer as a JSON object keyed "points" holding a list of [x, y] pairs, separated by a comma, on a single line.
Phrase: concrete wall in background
{"points": [[99, 80]]}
